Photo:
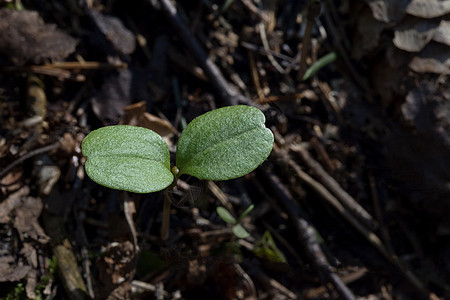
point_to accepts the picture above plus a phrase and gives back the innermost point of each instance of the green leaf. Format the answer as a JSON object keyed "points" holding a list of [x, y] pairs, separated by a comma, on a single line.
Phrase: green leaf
{"points": [[127, 158], [225, 143], [225, 215], [240, 231], [267, 249], [319, 64], [246, 212]]}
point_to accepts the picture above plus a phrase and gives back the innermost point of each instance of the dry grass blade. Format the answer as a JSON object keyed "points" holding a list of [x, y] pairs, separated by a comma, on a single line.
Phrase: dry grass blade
{"points": [[354, 207]]}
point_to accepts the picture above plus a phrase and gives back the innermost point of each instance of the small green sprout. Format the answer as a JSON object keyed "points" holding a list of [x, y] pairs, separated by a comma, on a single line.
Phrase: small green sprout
{"points": [[238, 230], [319, 64], [222, 144], [266, 248]]}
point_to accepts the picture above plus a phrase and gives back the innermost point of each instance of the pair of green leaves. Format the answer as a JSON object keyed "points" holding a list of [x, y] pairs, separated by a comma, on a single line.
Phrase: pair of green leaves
{"points": [[237, 229], [222, 144]]}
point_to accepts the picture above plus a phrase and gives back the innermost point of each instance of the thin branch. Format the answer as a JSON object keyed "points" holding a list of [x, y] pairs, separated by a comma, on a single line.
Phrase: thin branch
{"points": [[262, 33], [307, 235], [306, 41], [27, 156], [333, 186], [371, 237], [228, 93]]}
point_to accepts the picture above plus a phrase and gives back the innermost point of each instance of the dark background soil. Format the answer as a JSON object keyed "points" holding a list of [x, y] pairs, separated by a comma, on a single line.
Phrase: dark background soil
{"points": [[352, 203]]}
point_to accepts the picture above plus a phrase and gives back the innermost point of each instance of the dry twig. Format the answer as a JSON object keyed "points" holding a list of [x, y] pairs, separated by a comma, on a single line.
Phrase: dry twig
{"points": [[349, 217], [29, 155], [228, 93], [331, 184], [307, 235]]}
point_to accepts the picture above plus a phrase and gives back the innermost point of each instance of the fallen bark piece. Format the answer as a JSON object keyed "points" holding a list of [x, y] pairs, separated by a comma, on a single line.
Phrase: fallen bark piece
{"points": [[65, 258]]}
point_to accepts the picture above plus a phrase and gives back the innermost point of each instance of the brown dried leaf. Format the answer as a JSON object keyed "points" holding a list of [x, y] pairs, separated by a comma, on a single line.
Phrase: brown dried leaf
{"points": [[162, 127], [428, 8], [133, 113], [114, 30], [435, 58], [10, 182], [136, 115], [24, 37], [25, 211], [414, 34], [388, 10], [13, 201], [9, 271], [442, 34], [26, 221], [32, 281], [30, 253]]}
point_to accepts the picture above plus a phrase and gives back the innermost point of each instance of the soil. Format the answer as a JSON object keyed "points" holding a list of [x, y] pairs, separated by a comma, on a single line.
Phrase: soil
{"points": [[352, 203]]}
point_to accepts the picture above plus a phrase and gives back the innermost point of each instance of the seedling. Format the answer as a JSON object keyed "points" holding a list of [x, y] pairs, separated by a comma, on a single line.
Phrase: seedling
{"points": [[222, 144], [266, 248], [238, 230]]}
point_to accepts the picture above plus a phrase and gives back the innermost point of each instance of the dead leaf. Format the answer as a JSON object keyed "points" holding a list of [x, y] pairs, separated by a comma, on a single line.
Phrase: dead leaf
{"points": [[442, 34], [13, 201], [414, 34], [115, 94], [435, 58], [10, 182], [30, 253], [136, 115], [133, 113], [388, 10], [26, 221], [25, 211], [32, 281], [428, 8], [114, 30], [10, 271], [24, 37]]}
